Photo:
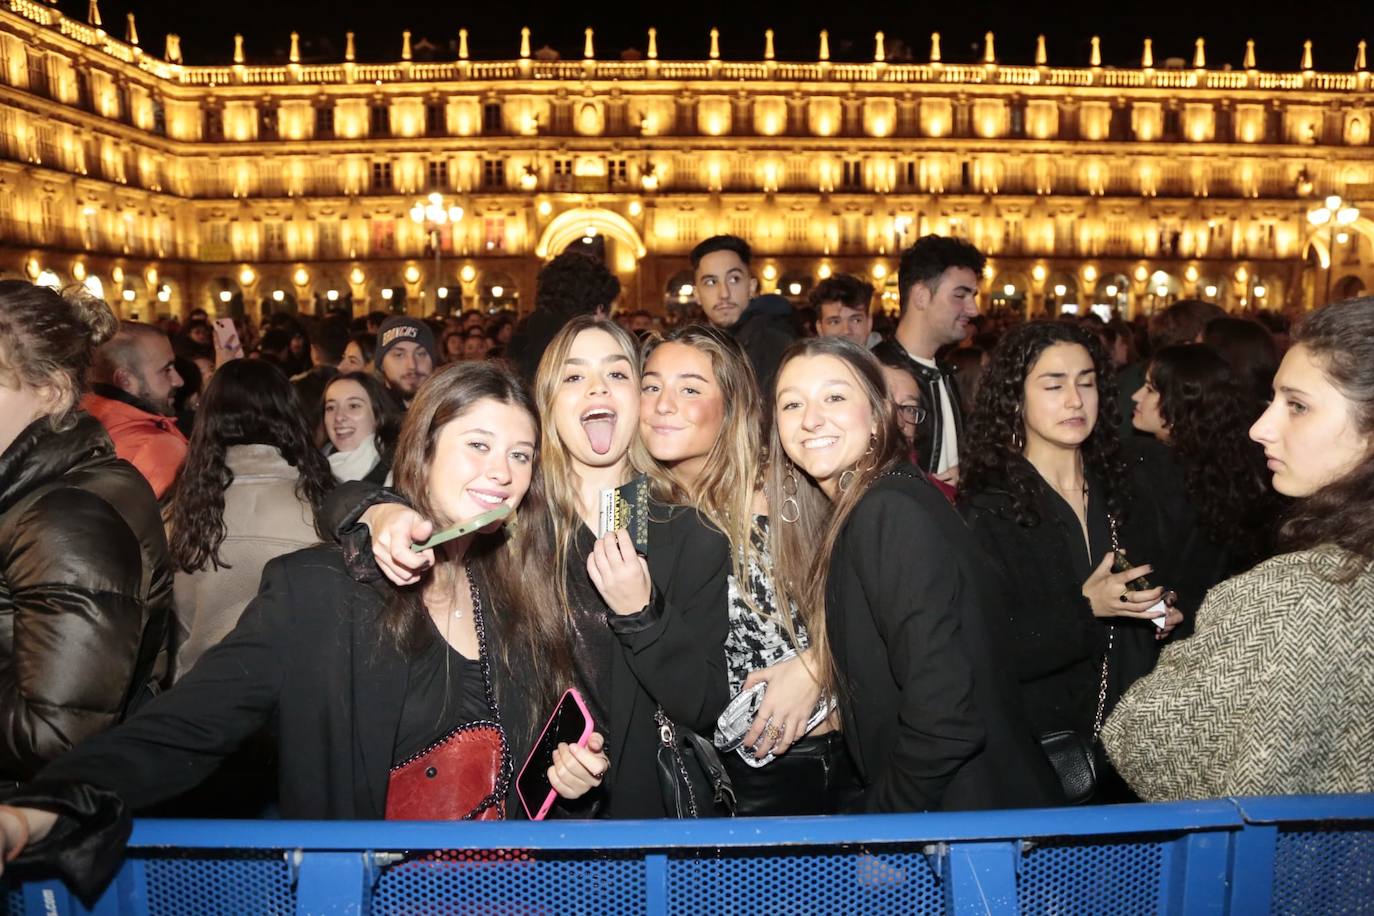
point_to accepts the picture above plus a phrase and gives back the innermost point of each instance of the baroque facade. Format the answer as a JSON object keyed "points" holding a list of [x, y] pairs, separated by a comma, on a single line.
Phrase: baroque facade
{"points": [[168, 186]]}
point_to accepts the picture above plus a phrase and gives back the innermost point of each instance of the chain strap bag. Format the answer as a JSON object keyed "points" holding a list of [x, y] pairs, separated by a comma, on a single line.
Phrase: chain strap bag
{"points": [[690, 773], [1074, 757], [463, 775]]}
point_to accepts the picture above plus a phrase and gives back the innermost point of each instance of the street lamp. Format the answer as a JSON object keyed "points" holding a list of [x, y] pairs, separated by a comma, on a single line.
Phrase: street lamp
{"points": [[432, 213], [1334, 212]]}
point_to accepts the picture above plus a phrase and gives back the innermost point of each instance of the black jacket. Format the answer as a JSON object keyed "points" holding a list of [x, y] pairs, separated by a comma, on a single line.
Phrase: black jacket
{"points": [[1191, 561], [85, 591], [930, 435], [308, 654], [1058, 643], [929, 701], [674, 650], [765, 330]]}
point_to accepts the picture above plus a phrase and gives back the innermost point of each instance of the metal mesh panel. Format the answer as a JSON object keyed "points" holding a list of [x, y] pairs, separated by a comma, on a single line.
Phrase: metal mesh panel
{"points": [[784, 883], [1329, 871], [220, 884], [512, 882], [1071, 878]]}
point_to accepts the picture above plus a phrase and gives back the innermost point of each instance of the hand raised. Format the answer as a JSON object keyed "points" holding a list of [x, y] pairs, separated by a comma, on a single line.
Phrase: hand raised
{"points": [[620, 574]]}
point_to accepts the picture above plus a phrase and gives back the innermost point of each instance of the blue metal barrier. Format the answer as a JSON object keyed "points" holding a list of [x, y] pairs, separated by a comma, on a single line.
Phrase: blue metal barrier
{"points": [[1228, 856]]}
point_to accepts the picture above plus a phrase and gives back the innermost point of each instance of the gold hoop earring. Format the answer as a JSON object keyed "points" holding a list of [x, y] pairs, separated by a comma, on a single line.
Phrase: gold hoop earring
{"points": [[789, 495], [872, 449]]}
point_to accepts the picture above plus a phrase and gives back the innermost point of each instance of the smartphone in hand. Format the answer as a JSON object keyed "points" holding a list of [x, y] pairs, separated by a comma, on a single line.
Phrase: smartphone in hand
{"points": [[570, 724], [477, 523], [227, 344]]}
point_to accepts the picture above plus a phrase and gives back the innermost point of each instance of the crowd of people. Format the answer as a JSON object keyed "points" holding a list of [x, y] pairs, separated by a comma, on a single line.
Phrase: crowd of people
{"points": [[953, 561]]}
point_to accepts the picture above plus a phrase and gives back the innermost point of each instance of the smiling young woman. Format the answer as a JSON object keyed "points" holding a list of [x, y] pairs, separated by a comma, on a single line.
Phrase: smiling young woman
{"points": [[1276, 676], [700, 417], [361, 680], [902, 604], [587, 392]]}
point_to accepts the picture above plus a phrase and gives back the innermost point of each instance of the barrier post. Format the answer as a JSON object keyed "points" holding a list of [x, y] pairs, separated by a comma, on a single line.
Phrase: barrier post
{"points": [[981, 878], [1199, 883], [1252, 868], [333, 883], [655, 884]]}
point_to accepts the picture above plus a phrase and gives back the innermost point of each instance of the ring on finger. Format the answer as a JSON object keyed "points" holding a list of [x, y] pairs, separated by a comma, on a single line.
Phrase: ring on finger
{"points": [[1125, 597]]}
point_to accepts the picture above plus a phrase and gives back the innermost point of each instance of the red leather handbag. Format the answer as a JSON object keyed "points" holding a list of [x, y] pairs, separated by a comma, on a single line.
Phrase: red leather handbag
{"points": [[457, 778], [463, 775]]}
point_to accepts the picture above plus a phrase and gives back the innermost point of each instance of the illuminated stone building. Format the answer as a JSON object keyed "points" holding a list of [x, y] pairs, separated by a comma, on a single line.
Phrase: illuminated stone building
{"points": [[177, 186]]}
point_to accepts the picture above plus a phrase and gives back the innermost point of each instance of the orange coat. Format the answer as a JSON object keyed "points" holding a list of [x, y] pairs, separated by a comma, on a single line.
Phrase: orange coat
{"points": [[150, 442]]}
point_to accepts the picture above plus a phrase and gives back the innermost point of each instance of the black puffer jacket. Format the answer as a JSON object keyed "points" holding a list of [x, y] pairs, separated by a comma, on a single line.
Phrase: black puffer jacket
{"points": [[85, 591]]}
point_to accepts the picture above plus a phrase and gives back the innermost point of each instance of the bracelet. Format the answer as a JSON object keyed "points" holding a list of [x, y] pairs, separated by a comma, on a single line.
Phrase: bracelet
{"points": [[18, 815]]}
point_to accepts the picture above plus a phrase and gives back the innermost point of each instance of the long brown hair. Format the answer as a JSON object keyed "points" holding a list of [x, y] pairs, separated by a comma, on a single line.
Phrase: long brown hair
{"points": [[802, 547], [733, 470], [1340, 337], [521, 603], [560, 480]]}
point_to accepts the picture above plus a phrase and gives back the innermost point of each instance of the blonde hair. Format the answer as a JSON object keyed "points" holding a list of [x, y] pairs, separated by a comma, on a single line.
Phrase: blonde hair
{"points": [[733, 470], [560, 479]]}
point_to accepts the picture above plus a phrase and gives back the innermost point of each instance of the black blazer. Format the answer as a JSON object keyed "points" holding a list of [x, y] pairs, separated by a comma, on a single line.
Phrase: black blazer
{"points": [[673, 650], [673, 655], [1191, 562], [1057, 642], [308, 652], [928, 699]]}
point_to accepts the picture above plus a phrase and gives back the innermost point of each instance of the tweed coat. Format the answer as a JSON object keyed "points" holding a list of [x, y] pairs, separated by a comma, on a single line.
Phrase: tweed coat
{"points": [[1272, 695]]}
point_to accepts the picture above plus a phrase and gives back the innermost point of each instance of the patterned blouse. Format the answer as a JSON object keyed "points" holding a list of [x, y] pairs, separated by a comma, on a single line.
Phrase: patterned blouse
{"points": [[757, 639]]}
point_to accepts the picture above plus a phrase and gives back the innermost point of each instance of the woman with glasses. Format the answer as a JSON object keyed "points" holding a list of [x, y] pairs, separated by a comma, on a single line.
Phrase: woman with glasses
{"points": [[905, 397]]}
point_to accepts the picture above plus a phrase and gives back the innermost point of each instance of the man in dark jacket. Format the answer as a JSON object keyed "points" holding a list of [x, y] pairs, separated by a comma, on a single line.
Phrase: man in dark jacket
{"points": [[938, 284], [726, 290], [571, 284]]}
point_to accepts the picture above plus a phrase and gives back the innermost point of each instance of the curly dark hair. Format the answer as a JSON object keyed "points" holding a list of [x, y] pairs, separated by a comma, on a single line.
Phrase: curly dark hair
{"points": [[1340, 338], [1208, 413], [248, 402], [992, 459], [575, 284]]}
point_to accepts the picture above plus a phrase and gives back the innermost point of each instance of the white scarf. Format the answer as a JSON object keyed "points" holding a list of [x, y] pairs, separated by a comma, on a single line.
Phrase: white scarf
{"points": [[354, 465]]}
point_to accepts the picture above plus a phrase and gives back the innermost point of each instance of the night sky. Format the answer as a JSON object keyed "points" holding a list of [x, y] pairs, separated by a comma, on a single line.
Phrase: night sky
{"points": [[494, 28]]}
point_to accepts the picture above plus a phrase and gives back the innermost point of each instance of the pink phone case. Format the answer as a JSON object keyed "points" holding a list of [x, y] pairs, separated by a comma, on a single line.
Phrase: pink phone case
{"points": [[587, 727]]}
